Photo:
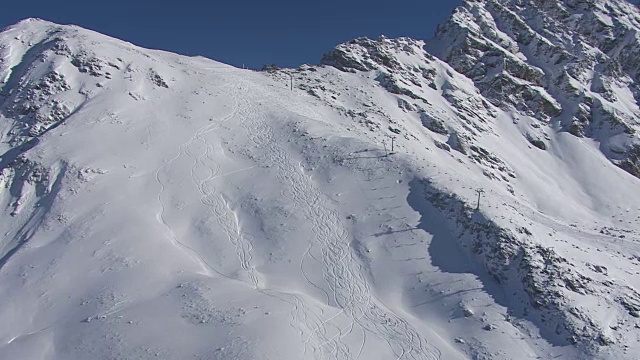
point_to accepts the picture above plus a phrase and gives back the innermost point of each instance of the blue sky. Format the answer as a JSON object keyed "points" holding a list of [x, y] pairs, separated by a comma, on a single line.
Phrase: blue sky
{"points": [[284, 32]]}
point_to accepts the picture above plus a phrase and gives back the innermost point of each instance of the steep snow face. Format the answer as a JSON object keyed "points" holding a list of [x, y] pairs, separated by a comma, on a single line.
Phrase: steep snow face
{"points": [[160, 206], [571, 64]]}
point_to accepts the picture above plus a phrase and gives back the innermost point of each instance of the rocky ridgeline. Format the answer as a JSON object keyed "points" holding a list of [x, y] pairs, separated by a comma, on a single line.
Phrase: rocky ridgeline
{"points": [[522, 56], [54, 80], [570, 62], [40, 105], [381, 55], [404, 68], [574, 62], [39, 95]]}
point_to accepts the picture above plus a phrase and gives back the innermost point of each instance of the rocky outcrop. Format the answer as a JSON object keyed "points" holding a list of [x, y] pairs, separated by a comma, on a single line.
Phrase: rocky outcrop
{"points": [[551, 60], [403, 68], [382, 56]]}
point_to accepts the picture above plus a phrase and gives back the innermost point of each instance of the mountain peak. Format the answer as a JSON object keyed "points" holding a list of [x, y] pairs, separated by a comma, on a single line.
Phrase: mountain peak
{"points": [[30, 23]]}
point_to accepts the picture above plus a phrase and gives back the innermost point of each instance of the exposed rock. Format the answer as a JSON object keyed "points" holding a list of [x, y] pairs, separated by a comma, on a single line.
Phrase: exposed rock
{"points": [[88, 64], [36, 105], [157, 80], [405, 105], [442, 145], [631, 162], [538, 57], [458, 142], [433, 124], [537, 142]]}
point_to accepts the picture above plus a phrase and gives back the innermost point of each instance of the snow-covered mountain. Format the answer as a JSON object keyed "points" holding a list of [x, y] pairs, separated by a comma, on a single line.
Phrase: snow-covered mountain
{"points": [[162, 206]]}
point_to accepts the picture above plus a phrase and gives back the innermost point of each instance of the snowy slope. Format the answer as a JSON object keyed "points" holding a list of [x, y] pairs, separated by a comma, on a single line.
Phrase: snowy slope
{"points": [[161, 206]]}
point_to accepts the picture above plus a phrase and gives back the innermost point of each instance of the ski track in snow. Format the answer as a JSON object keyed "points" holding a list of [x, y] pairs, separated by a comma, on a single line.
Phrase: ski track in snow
{"points": [[229, 222], [349, 290], [307, 322], [341, 270], [182, 151]]}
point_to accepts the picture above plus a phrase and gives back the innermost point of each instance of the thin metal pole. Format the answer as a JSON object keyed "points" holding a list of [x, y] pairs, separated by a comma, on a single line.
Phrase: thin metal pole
{"points": [[480, 192]]}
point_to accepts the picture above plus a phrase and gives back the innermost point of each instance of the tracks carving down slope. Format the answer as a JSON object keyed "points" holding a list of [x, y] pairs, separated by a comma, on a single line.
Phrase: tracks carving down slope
{"points": [[342, 272], [183, 150], [308, 321]]}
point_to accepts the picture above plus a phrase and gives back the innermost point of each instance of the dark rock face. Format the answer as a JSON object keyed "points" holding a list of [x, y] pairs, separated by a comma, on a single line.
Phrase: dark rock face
{"points": [[35, 105], [433, 124], [537, 142], [631, 163]]}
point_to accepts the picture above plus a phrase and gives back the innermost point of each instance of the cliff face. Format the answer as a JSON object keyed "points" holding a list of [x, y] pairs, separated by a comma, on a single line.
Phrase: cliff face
{"points": [[573, 65]]}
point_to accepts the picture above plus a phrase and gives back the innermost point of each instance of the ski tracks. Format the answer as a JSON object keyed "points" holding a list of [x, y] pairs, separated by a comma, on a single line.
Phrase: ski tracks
{"points": [[183, 150], [342, 272], [348, 288], [308, 322], [321, 334]]}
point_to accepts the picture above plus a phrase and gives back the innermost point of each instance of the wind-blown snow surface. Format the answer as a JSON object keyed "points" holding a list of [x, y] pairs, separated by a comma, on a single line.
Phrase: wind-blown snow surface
{"points": [[160, 206]]}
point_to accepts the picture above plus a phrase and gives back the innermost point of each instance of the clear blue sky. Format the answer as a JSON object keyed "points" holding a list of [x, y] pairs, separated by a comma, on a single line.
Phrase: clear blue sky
{"points": [[284, 32]]}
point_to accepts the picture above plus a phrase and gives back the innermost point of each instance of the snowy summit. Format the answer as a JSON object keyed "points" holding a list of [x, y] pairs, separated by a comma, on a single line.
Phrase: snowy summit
{"points": [[471, 196]]}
